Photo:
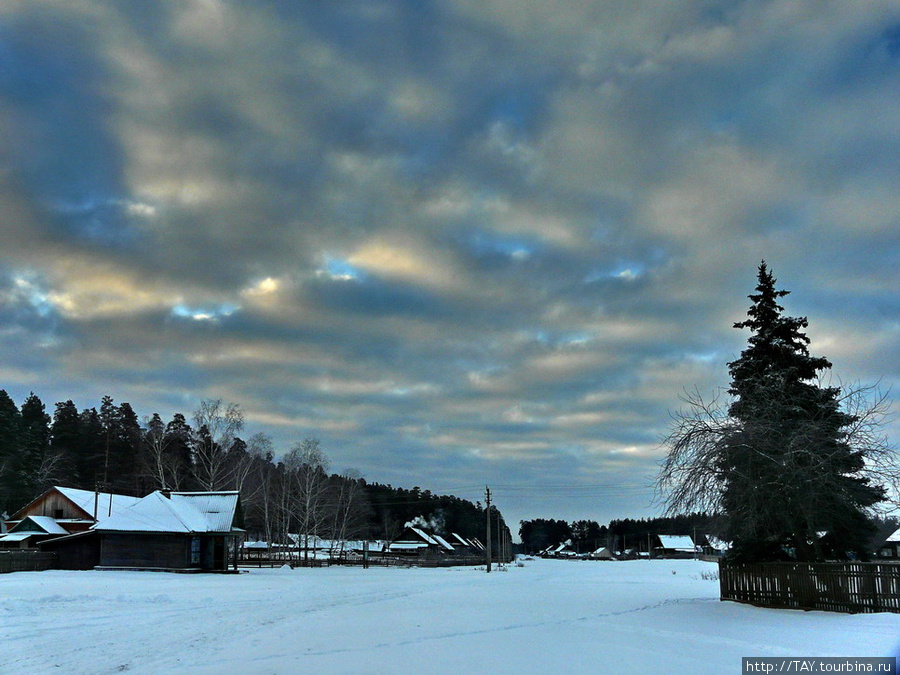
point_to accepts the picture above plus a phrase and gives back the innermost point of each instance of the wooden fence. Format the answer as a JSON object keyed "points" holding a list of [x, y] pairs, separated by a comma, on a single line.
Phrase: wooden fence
{"points": [[852, 587], [26, 561], [373, 561]]}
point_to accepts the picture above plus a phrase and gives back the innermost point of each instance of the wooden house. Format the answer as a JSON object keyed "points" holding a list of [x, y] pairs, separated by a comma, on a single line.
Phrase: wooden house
{"points": [[890, 548], [30, 530], [675, 546], [414, 541], [563, 550], [602, 553], [463, 546], [74, 510], [180, 532]]}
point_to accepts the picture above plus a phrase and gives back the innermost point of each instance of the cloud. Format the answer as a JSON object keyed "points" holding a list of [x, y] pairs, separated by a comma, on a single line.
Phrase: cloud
{"points": [[463, 242]]}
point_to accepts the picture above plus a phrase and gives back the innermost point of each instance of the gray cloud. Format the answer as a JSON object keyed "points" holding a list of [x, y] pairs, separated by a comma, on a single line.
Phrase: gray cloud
{"points": [[463, 243]]}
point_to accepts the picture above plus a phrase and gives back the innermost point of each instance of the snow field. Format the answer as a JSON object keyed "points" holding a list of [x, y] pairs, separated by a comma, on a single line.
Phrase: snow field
{"points": [[548, 616]]}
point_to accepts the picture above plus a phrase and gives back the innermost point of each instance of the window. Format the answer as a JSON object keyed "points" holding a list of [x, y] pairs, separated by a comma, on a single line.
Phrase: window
{"points": [[58, 513], [195, 551]]}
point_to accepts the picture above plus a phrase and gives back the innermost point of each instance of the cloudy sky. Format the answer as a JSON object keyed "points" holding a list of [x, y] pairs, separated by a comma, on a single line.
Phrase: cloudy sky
{"points": [[462, 242]]}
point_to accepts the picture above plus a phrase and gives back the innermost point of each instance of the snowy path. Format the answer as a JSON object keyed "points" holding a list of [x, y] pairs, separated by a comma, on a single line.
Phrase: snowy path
{"points": [[548, 616]]}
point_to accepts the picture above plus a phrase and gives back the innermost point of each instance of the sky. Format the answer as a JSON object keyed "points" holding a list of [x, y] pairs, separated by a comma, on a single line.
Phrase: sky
{"points": [[463, 243]]}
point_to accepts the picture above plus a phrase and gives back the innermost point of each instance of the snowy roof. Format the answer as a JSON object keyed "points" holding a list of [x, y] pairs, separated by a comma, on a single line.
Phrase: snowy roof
{"points": [[678, 542], [17, 536], [458, 540], [427, 538], [44, 524], [895, 537], [407, 545], [182, 512], [443, 542], [218, 507], [106, 502]]}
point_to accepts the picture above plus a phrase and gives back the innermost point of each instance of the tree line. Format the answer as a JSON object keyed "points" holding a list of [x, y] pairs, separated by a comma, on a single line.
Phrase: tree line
{"points": [[623, 534], [618, 534], [112, 450]]}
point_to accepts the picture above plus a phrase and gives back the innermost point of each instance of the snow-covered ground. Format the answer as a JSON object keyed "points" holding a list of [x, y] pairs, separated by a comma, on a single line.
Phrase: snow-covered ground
{"points": [[548, 616]]}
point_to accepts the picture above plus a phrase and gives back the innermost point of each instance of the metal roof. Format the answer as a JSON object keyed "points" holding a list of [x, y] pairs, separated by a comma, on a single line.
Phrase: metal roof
{"points": [[678, 542], [443, 542], [183, 512], [107, 503], [18, 536], [44, 524], [217, 507]]}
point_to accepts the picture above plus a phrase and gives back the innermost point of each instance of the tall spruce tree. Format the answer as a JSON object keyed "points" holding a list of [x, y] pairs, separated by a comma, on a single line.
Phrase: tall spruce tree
{"points": [[792, 465], [791, 480], [37, 466], [10, 438]]}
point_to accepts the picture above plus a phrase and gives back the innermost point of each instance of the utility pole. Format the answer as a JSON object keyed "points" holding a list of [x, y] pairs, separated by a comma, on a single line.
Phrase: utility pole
{"points": [[501, 544], [487, 499]]}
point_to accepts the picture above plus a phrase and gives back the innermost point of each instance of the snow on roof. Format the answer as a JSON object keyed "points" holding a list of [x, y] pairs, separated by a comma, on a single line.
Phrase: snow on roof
{"points": [[425, 536], [255, 545], [17, 536], [218, 507], [183, 512], [457, 539], [407, 545], [46, 524], [678, 542], [895, 537], [443, 542], [106, 502]]}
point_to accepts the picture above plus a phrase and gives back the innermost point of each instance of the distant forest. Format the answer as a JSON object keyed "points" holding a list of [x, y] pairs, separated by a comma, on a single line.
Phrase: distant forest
{"points": [[111, 449]]}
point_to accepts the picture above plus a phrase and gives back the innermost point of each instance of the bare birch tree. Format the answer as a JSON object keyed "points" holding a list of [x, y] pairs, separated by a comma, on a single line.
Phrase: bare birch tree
{"points": [[217, 427], [306, 467]]}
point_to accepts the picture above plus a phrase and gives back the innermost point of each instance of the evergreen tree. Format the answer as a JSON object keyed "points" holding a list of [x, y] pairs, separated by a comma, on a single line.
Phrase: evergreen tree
{"points": [[92, 453], [178, 448], [785, 465], [10, 433], [126, 460], [38, 467], [789, 473]]}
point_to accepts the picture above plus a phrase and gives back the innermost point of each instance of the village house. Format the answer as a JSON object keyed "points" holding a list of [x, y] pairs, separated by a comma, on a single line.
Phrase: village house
{"points": [[890, 548], [674, 546], [414, 541], [72, 509], [178, 532], [602, 553], [31, 530]]}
